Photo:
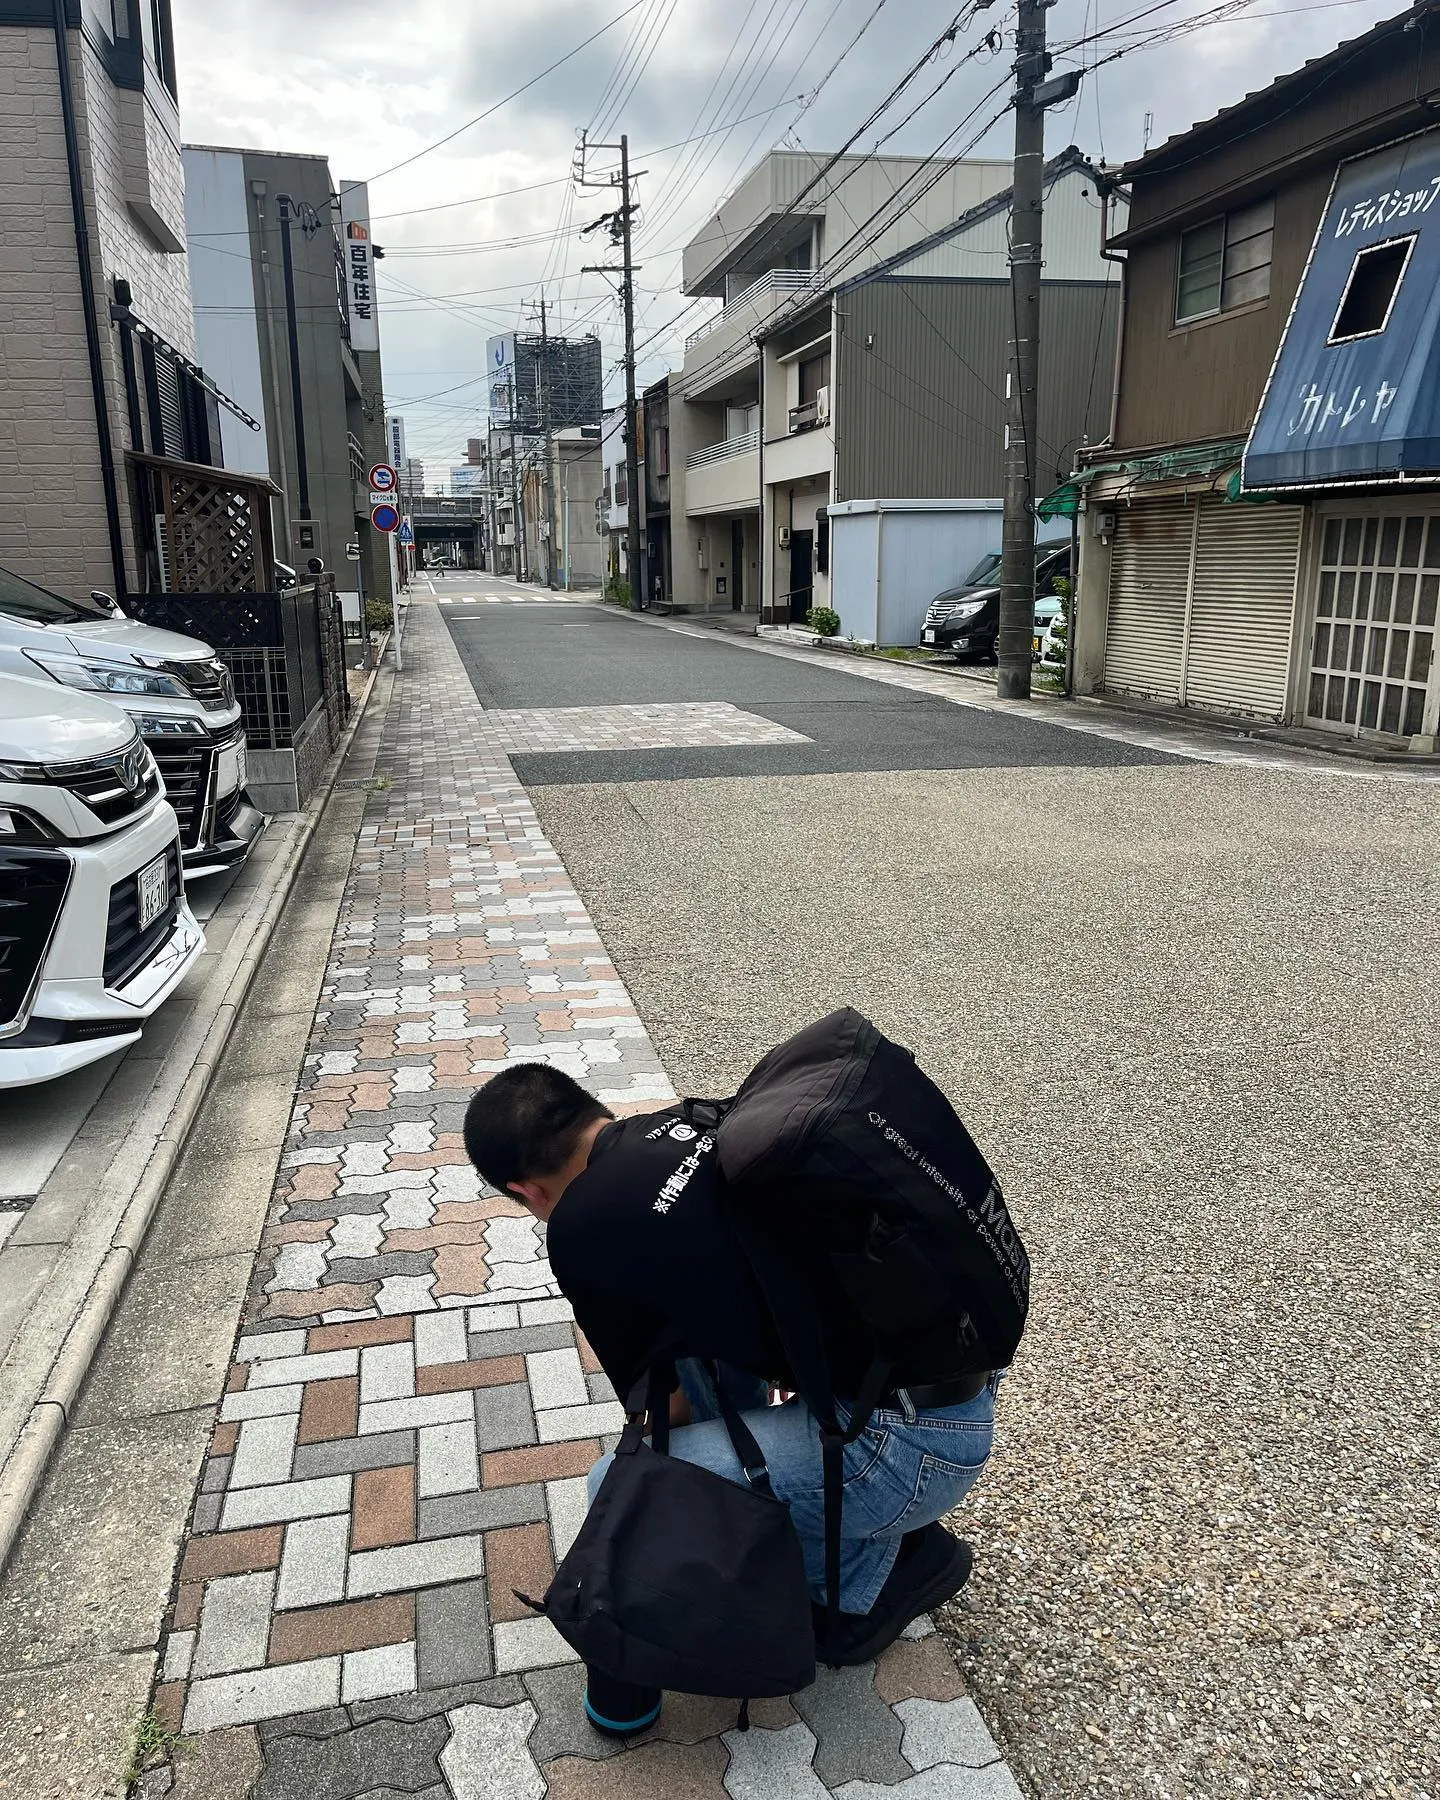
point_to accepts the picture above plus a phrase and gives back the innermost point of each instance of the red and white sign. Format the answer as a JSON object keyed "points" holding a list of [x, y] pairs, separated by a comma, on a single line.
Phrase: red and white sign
{"points": [[383, 478]]}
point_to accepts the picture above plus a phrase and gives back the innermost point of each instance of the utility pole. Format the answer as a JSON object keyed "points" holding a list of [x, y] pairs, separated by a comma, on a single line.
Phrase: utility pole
{"points": [[1033, 94], [517, 521], [546, 426], [1017, 552], [619, 223]]}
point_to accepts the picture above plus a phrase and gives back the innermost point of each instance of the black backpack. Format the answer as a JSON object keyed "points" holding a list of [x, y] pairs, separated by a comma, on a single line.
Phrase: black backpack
{"points": [[839, 1147]]}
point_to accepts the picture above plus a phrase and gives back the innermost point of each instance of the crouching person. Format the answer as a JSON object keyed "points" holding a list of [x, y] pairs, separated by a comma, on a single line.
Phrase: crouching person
{"points": [[645, 1240]]}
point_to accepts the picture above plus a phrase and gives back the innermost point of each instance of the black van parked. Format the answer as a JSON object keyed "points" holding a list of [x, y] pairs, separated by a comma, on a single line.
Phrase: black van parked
{"points": [[966, 619]]}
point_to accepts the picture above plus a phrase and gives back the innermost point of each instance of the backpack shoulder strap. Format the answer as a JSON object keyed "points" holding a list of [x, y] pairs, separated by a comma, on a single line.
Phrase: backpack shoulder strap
{"points": [[791, 1303]]}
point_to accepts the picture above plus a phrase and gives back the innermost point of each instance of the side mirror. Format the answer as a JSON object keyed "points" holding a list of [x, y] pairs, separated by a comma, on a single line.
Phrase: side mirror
{"points": [[106, 602]]}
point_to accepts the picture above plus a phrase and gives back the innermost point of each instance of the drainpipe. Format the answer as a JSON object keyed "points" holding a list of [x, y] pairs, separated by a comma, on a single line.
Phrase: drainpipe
{"points": [[86, 266], [1116, 256], [297, 391], [258, 190]]}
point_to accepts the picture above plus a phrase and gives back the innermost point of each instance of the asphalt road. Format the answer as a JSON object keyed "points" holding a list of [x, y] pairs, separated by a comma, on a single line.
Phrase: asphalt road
{"points": [[542, 656], [1193, 1015]]}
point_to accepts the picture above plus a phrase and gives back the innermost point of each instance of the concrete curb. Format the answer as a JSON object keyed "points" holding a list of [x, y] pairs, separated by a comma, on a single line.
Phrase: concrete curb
{"points": [[25, 1467]]}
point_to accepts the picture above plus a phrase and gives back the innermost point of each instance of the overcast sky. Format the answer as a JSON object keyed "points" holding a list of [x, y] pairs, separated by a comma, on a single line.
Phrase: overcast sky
{"points": [[369, 84]]}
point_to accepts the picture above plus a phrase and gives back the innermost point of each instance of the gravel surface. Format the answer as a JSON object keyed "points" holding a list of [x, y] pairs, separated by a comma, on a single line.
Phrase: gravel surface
{"points": [[1193, 1014]]}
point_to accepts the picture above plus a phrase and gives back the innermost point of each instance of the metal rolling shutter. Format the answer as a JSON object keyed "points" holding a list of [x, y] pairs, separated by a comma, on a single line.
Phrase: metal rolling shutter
{"points": [[1149, 574], [1242, 607]]}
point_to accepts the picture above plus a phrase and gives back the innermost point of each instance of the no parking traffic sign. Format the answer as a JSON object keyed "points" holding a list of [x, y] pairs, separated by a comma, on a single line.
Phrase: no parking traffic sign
{"points": [[385, 517]]}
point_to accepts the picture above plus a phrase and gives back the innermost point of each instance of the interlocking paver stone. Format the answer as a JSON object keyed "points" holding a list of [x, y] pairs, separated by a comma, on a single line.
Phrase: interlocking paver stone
{"points": [[388, 1752], [452, 1629], [487, 1757], [235, 1623], [857, 1733], [416, 1565], [449, 1459], [945, 1731], [288, 1500], [312, 1569]]}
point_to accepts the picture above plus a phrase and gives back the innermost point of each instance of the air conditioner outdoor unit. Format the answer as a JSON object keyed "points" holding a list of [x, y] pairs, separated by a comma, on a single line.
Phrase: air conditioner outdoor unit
{"points": [[822, 406], [783, 537]]}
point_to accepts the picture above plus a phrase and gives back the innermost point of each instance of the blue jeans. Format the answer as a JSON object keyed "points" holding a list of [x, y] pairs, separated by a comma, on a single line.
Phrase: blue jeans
{"points": [[899, 1474]]}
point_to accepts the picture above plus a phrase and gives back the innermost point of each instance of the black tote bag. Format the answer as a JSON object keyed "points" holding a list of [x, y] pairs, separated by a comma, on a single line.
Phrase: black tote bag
{"points": [[680, 1579]]}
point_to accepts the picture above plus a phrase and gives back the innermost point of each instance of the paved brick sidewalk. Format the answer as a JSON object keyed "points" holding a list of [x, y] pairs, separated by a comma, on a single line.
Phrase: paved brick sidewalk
{"points": [[411, 1411]]}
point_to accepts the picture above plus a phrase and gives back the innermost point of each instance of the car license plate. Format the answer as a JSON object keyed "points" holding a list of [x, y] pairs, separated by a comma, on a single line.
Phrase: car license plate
{"points": [[230, 770], [1039, 641], [154, 883], [927, 637]]}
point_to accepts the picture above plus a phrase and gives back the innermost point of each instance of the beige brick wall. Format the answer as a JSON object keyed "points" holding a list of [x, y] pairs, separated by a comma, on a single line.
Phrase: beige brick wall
{"points": [[52, 524]]}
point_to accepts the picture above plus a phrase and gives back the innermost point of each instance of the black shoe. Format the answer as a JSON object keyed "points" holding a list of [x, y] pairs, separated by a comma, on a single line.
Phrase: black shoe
{"points": [[619, 1708], [931, 1568]]}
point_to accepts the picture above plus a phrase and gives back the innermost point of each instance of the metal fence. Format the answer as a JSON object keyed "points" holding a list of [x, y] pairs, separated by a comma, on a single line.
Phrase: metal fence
{"points": [[285, 653]]}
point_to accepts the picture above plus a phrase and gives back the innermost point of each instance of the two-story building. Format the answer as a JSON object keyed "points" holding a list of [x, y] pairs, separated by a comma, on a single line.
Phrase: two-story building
{"points": [[860, 356], [615, 496], [656, 481], [1261, 533]]}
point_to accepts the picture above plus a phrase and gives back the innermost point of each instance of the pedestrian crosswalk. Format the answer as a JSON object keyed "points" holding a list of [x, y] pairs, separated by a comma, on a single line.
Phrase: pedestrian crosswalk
{"points": [[502, 600]]}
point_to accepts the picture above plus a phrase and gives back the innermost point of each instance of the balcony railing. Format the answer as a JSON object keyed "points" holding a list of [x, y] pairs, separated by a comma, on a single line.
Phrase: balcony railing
{"points": [[776, 281], [736, 446]]}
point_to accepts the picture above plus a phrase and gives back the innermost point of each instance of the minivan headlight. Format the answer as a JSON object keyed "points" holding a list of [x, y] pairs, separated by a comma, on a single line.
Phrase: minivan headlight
{"points": [[967, 609], [99, 677]]}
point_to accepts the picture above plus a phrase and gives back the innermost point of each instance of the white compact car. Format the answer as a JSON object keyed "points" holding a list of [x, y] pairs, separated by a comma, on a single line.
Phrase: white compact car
{"points": [[95, 931], [176, 689]]}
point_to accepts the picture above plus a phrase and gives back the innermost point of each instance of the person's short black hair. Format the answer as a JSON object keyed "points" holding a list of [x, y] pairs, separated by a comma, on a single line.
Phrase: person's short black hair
{"points": [[524, 1123]]}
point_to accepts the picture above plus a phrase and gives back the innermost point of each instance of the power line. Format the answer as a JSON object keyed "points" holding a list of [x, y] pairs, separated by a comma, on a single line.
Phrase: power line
{"points": [[490, 111]]}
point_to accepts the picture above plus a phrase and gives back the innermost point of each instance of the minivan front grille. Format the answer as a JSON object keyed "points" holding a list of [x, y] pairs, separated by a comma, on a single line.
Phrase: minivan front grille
{"points": [[185, 763], [208, 680], [115, 788], [127, 947], [33, 884]]}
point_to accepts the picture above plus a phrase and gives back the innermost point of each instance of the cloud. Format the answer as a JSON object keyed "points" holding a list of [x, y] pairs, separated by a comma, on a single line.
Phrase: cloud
{"points": [[369, 84]]}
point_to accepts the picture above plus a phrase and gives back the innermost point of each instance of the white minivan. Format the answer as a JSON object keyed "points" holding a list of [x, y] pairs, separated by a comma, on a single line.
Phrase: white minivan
{"points": [[176, 689], [95, 931]]}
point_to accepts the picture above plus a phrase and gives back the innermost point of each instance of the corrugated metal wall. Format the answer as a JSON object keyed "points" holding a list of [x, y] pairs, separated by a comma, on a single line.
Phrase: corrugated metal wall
{"points": [[1072, 238], [922, 411]]}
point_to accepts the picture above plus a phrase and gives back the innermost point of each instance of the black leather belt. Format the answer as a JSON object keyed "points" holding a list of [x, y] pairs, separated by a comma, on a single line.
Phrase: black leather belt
{"points": [[931, 1396]]}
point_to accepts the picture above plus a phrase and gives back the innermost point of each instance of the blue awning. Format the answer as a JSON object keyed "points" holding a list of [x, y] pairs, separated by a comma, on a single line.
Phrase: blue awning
{"points": [[1354, 395]]}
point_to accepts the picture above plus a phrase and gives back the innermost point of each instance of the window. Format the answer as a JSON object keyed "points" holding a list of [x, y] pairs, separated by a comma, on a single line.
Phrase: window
{"points": [[660, 450], [1370, 291], [159, 35], [814, 374], [1375, 622], [1225, 263]]}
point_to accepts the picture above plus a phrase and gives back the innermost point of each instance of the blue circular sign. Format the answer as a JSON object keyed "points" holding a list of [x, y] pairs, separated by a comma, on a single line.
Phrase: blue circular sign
{"points": [[385, 517]]}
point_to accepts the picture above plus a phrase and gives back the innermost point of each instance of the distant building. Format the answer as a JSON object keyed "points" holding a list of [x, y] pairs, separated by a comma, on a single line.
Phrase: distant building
{"points": [[576, 477], [531, 382], [839, 373], [240, 207]]}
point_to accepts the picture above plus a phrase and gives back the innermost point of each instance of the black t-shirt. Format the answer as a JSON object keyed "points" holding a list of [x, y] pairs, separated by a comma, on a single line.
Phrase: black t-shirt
{"points": [[643, 1250], [643, 1247]]}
